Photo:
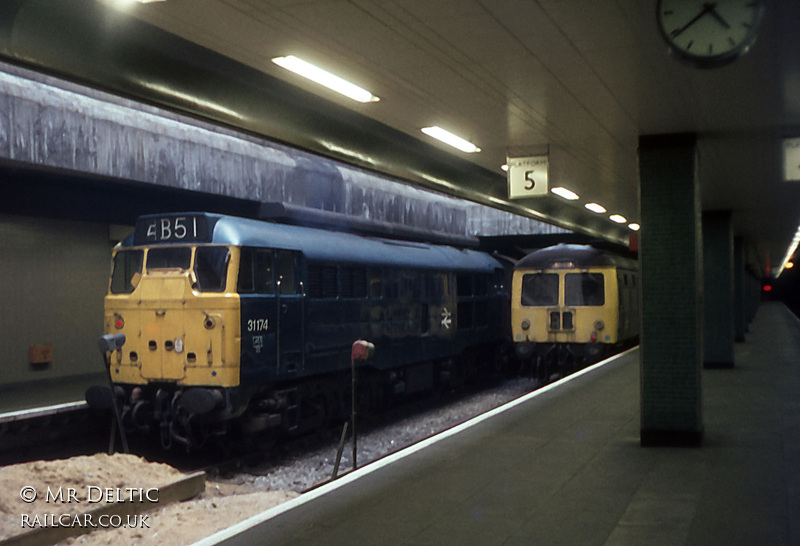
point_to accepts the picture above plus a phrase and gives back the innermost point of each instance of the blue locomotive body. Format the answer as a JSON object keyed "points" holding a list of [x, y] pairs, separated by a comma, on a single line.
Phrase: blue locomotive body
{"points": [[262, 317]]}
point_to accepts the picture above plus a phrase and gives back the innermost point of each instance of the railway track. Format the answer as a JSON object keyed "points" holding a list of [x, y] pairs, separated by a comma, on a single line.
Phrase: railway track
{"points": [[69, 430], [63, 430]]}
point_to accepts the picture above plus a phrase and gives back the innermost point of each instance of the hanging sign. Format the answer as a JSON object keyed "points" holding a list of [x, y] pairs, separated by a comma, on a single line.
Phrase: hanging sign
{"points": [[791, 159], [527, 176]]}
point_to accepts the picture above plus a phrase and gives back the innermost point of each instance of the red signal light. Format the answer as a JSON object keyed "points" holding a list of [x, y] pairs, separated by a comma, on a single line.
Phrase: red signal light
{"points": [[767, 288]]}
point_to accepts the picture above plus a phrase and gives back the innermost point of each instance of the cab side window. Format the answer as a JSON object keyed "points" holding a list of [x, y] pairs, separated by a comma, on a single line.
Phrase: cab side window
{"points": [[256, 271]]}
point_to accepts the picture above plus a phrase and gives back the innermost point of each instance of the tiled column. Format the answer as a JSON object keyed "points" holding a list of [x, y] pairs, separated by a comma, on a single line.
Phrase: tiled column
{"points": [[718, 325], [671, 261], [740, 317]]}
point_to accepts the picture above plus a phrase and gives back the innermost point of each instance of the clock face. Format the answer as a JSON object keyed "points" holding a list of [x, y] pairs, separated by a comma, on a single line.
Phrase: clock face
{"points": [[709, 34]]}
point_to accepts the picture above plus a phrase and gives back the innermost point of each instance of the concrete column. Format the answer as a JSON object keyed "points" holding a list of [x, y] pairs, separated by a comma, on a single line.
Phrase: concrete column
{"points": [[718, 325], [740, 316], [671, 261]]}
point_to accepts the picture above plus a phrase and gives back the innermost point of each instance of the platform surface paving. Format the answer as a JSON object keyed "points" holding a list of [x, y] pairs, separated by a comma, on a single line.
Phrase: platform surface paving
{"points": [[566, 467]]}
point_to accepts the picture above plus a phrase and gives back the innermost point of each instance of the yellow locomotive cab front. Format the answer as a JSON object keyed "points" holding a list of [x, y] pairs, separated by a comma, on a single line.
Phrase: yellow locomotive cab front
{"points": [[180, 323]]}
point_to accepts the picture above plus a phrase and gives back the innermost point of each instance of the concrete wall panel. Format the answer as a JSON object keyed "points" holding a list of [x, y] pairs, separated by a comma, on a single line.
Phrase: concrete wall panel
{"points": [[53, 276]]}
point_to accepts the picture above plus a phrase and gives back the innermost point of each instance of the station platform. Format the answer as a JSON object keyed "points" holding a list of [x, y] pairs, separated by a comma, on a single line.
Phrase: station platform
{"points": [[564, 466], [45, 393]]}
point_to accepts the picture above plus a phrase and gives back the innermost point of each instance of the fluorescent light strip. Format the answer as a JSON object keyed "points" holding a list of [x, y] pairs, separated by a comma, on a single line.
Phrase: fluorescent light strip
{"points": [[322, 77], [617, 218], [565, 193], [449, 138], [594, 207], [789, 253]]}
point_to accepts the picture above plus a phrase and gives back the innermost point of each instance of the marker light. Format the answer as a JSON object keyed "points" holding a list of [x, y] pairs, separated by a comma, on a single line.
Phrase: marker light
{"points": [[118, 322], [449, 138], [322, 77], [599, 325], [594, 207], [565, 193]]}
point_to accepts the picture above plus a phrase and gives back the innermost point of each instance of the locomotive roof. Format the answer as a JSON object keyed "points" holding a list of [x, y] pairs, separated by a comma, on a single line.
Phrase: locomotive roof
{"points": [[318, 244], [568, 256]]}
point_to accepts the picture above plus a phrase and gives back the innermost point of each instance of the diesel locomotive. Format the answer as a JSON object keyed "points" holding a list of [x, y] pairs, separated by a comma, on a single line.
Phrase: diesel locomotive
{"points": [[572, 305], [233, 322]]}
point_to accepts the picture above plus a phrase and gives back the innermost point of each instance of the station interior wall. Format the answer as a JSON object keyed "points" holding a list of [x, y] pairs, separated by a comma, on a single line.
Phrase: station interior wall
{"points": [[54, 277]]}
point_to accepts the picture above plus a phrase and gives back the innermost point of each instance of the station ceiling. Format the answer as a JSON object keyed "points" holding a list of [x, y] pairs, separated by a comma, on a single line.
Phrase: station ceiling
{"points": [[578, 80]]}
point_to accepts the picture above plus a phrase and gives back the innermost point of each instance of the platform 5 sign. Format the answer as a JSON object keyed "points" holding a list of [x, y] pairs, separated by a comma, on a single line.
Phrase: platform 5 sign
{"points": [[527, 176]]}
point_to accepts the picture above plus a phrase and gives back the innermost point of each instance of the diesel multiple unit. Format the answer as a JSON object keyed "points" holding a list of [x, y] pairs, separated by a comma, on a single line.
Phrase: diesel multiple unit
{"points": [[572, 304]]}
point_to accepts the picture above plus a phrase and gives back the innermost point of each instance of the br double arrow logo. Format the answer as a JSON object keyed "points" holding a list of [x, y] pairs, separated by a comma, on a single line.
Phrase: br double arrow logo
{"points": [[446, 320]]}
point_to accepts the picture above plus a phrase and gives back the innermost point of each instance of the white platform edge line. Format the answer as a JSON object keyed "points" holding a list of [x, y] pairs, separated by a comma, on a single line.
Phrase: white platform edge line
{"points": [[242, 526], [38, 412]]}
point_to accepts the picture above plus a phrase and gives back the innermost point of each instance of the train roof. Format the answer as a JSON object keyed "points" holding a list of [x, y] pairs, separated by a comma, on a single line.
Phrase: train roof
{"points": [[318, 245], [569, 256]]}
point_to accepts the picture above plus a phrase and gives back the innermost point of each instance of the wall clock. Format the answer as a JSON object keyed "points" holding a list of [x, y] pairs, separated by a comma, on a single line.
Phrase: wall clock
{"points": [[709, 34]]}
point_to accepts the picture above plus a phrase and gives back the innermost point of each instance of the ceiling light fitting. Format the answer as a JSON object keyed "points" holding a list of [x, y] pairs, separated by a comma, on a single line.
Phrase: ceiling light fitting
{"points": [[618, 218], [325, 78], [565, 193], [634, 227], [449, 138], [594, 207]]}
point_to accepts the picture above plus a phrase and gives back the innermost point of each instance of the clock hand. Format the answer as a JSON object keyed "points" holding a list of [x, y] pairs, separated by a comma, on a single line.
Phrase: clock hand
{"points": [[715, 14], [707, 7]]}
